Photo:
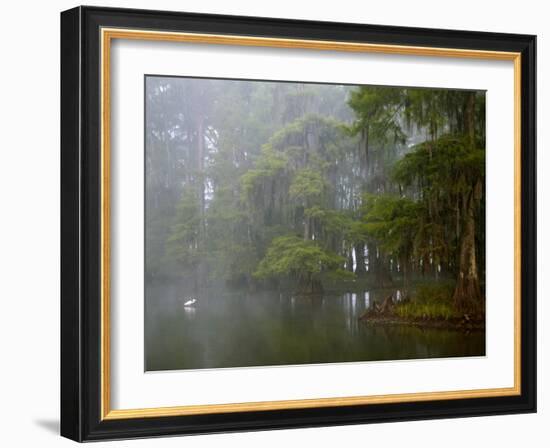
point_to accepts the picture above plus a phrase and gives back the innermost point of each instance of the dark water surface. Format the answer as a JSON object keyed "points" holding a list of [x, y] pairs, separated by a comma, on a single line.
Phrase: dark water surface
{"points": [[267, 328]]}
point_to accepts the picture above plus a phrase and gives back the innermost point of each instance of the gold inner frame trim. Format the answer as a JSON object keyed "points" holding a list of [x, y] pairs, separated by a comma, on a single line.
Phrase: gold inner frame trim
{"points": [[107, 35]]}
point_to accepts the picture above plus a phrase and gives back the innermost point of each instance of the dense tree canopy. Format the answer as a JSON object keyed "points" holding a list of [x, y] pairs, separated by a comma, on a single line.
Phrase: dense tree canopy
{"points": [[289, 185]]}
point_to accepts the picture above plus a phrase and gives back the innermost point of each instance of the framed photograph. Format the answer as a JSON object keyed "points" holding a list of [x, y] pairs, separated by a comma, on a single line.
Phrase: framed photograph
{"points": [[271, 224]]}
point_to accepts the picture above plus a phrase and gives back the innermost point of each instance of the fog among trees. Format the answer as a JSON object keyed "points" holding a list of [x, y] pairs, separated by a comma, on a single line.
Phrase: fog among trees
{"points": [[310, 188]]}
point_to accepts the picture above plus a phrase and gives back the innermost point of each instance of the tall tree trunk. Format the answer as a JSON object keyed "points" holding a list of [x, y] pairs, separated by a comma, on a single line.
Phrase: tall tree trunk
{"points": [[202, 270], [372, 257], [360, 268], [379, 267], [309, 285], [349, 262], [306, 228], [467, 292], [200, 169], [383, 273], [405, 269], [469, 118]]}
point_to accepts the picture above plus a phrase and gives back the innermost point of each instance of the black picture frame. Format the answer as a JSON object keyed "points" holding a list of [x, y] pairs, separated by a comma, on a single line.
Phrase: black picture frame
{"points": [[81, 224]]}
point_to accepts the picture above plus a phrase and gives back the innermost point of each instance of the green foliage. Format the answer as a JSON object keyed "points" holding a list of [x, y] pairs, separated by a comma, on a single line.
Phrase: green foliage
{"points": [[377, 112], [233, 168], [323, 127], [268, 166], [430, 311], [230, 253], [341, 275], [183, 244], [431, 302], [391, 220], [447, 165], [294, 257], [288, 188], [333, 222], [435, 292], [232, 261], [448, 170], [307, 185], [158, 225], [428, 109]]}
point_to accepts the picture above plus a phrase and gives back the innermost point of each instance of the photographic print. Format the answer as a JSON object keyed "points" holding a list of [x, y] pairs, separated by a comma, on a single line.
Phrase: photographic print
{"points": [[252, 201], [297, 223]]}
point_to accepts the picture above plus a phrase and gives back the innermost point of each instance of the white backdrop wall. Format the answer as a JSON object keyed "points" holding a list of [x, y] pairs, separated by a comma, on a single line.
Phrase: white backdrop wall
{"points": [[29, 236]]}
